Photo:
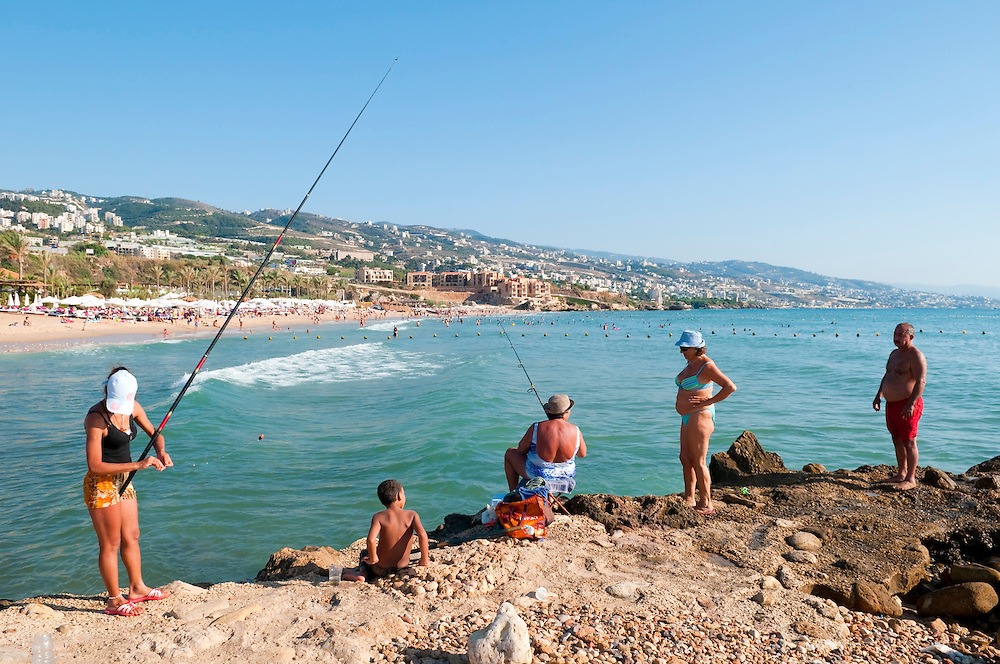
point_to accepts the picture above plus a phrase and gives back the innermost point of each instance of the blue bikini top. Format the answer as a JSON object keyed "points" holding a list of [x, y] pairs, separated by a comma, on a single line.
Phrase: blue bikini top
{"points": [[691, 383]]}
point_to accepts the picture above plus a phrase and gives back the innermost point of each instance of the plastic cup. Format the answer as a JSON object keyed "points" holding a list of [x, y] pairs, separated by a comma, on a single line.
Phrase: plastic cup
{"points": [[335, 573]]}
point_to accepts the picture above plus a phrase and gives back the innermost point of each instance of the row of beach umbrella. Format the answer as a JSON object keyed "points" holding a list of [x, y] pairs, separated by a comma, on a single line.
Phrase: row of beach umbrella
{"points": [[170, 300]]}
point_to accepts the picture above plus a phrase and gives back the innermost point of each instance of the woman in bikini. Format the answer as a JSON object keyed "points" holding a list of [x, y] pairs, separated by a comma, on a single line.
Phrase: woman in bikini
{"points": [[111, 427], [696, 406]]}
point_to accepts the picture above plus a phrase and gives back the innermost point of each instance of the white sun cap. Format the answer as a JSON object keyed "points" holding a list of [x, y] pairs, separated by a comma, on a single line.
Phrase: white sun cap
{"points": [[121, 393]]}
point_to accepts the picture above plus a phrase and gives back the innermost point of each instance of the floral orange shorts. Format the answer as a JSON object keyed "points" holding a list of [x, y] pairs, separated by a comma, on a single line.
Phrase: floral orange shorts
{"points": [[102, 490]]}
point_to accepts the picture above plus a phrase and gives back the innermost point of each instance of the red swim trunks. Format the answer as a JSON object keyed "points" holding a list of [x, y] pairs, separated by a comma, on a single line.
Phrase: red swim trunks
{"points": [[899, 426]]}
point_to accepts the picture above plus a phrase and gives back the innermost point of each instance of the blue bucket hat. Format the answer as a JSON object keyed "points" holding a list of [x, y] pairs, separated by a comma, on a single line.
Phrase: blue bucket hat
{"points": [[690, 339]]}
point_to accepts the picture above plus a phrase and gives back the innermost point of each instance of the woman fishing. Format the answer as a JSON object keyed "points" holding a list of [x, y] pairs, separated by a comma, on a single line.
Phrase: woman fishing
{"points": [[696, 406], [111, 427]]}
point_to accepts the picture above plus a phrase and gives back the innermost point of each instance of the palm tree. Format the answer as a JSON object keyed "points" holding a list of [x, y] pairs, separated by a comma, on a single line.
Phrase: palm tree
{"points": [[201, 281], [49, 275], [268, 280], [44, 260], [187, 275], [285, 281], [212, 274], [60, 283], [15, 246], [155, 272], [240, 279], [316, 285], [224, 281], [170, 275]]}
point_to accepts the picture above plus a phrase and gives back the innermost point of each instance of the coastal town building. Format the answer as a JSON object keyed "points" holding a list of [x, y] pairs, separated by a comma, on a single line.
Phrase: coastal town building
{"points": [[421, 279], [523, 288], [374, 275], [352, 252]]}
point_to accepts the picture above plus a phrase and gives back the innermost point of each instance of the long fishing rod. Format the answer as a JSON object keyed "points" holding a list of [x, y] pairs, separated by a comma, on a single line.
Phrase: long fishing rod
{"points": [[246, 291], [521, 364]]}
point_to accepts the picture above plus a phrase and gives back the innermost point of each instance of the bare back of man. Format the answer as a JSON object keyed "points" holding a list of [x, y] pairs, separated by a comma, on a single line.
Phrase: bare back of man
{"points": [[903, 386]]}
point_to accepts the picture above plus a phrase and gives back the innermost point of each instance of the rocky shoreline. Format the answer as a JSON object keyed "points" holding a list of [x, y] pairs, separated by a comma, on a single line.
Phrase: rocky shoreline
{"points": [[796, 566]]}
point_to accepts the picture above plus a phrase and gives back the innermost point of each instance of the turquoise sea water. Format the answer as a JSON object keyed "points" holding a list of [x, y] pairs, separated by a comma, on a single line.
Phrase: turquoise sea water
{"points": [[436, 408]]}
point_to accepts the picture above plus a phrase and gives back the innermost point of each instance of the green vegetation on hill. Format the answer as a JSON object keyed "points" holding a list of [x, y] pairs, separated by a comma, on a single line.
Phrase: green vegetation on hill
{"points": [[185, 218], [50, 209]]}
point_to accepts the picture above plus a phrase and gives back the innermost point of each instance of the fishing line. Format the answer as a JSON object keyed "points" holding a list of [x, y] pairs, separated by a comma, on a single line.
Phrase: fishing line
{"points": [[259, 441], [521, 364], [253, 279]]}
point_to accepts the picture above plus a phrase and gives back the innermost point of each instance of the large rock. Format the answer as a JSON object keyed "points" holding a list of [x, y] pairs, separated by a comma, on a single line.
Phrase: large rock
{"points": [[988, 483], [803, 541], [288, 563], [875, 598], [503, 641], [939, 479], [972, 572], [634, 512], [745, 457], [965, 600], [991, 467]]}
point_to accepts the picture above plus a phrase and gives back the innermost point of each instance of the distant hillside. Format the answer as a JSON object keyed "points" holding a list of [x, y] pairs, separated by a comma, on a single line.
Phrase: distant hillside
{"points": [[740, 269], [180, 216], [408, 248]]}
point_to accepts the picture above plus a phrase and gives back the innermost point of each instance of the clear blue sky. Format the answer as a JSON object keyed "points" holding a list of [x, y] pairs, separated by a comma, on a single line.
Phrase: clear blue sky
{"points": [[855, 139]]}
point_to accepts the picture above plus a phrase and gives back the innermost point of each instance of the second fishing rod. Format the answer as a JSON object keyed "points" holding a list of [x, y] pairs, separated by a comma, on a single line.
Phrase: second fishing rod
{"points": [[520, 363]]}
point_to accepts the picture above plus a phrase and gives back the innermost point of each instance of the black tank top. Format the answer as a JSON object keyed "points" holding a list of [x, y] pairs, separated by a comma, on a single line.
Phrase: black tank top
{"points": [[115, 445]]}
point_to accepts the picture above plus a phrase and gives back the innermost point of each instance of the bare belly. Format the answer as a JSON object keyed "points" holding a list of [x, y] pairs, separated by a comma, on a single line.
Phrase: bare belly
{"points": [[897, 391], [685, 407]]}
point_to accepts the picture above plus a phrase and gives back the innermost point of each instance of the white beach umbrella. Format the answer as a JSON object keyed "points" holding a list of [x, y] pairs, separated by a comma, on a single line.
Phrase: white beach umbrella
{"points": [[17, 299], [73, 300], [10, 299], [50, 300], [116, 302], [91, 301]]}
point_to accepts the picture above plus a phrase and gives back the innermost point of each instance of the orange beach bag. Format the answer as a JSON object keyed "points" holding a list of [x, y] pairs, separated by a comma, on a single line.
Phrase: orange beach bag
{"points": [[524, 519]]}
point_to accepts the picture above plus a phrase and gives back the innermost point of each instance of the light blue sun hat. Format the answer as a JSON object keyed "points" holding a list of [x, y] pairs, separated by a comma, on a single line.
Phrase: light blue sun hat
{"points": [[690, 339]]}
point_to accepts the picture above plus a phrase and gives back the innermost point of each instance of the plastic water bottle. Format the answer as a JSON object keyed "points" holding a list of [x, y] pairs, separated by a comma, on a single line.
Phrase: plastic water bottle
{"points": [[41, 650]]}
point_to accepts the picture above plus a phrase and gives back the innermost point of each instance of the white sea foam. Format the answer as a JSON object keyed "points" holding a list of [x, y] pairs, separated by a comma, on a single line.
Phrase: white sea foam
{"points": [[387, 326], [331, 365]]}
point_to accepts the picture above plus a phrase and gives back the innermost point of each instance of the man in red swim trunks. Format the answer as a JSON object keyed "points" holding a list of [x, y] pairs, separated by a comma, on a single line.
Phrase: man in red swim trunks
{"points": [[902, 386]]}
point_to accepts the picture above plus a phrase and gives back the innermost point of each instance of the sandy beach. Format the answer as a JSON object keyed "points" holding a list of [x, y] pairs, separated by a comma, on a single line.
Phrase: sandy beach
{"points": [[52, 332], [31, 332]]}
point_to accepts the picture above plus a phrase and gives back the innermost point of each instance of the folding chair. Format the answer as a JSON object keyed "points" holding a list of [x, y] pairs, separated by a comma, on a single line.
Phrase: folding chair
{"points": [[559, 489]]}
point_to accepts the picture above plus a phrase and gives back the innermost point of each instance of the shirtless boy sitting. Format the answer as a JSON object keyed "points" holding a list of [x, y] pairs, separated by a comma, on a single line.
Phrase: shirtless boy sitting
{"points": [[390, 537]]}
